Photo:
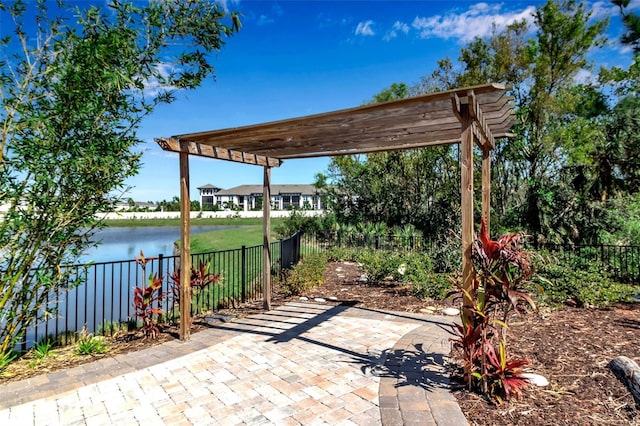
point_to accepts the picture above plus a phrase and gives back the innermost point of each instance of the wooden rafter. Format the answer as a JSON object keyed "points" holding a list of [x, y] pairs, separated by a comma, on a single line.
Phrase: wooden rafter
{"points": [[193, 148], [480, 122]]}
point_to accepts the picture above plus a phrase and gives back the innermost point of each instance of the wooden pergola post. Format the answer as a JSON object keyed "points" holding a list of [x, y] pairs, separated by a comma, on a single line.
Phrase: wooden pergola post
{"points": [[466, 190], [486, 187], [185, 247], [266, 247]]}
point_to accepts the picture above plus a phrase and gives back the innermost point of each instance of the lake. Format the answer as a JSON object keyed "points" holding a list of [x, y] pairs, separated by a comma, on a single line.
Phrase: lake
{"points": [[122, 243], [106, 295]]}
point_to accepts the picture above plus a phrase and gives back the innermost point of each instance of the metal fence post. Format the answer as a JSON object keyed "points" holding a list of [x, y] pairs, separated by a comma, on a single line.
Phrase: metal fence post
{"points": [[244, 273], [161, 276], [279, 265]]}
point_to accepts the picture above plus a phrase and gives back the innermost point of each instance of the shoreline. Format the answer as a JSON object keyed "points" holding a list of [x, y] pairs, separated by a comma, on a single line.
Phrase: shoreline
{"points": [[114, 216]]}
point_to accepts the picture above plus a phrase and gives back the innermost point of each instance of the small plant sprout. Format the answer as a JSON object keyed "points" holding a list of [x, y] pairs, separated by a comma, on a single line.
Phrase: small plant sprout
{"points": [[88, 344], [42, 348]]}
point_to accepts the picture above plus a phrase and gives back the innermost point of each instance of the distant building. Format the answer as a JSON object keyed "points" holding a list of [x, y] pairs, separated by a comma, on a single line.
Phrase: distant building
{"points": [[137, 205], [207, 196], [249, 197]]}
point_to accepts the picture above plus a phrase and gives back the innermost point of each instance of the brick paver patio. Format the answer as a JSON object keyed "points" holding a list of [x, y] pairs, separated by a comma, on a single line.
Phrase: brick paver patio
{"points": [[301, 363]]}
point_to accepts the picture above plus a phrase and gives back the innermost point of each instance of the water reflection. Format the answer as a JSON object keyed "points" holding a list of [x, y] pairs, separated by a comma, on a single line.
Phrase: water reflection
{"points": [[122, 243]]}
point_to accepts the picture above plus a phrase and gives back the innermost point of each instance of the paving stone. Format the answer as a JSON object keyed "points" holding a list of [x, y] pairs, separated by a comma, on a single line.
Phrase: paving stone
{"points": [[299, 364], [447, 413], [390, 417]]}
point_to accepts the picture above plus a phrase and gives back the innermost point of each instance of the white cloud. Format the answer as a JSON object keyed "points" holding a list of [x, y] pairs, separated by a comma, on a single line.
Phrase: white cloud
{"points": [[476, 21], [398, 27], [327, 21], [225, 3], [264, 20], [154, 86], [603, 9], [585, 77], [277, 9], [365, 28]]}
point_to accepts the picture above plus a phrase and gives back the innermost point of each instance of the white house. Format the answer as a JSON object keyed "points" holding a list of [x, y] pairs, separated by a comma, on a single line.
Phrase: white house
{"points": [[249, 197], [207, 195]]}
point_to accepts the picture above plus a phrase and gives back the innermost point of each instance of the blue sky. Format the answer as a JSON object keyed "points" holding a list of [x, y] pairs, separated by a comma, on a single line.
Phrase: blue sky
{"points": [[294, 58]]}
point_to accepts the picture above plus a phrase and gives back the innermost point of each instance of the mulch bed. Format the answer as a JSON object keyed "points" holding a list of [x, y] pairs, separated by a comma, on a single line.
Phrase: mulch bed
{"points": [[571, 347]]}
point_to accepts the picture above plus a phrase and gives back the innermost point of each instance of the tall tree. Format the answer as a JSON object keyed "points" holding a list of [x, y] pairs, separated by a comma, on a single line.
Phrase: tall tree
{"points": [[539, 69], [632, 22], [411, 187], [74, 87]]}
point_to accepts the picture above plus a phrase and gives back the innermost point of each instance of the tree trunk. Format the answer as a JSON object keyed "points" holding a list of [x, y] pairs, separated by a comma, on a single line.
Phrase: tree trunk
{"points": [[628, 372]]}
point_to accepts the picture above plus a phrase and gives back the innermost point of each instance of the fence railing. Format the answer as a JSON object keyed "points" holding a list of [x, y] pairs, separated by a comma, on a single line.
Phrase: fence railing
{"points": [[410, 242], [105, 296], [621, 262], [104, 299]]}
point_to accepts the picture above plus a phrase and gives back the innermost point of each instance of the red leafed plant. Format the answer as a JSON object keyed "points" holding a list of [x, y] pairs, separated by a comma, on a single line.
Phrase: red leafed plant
{"points": [[501, 268], [201, 277], [146, 300]]}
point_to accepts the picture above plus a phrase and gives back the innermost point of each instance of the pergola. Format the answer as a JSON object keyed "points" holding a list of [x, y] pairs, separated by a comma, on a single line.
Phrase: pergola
{"points": [[477, 114]]}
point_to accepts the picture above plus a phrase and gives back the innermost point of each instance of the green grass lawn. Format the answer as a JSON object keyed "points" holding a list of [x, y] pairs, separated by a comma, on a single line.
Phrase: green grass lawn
{"points": [[247, 233], [226, 239], [194, 222]]}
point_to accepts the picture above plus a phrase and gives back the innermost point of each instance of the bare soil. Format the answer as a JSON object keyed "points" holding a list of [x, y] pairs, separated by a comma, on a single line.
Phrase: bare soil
{"points": [[571, 347]]}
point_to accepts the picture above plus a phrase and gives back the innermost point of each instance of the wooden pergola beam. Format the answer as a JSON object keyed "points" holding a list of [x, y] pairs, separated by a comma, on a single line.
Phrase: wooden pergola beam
{"points": [[195, 148], [420, 144], [474, 128], [481, 124], [486, 187], [466, 194]]}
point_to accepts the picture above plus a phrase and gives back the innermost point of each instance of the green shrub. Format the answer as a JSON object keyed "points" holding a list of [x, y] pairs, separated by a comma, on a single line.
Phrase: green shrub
{"points": [[432, 285], [43, 348], [380, 264], [446, 254], [88, 344], [298, 221], [585, 284], [341, 254], [416, 266], [306, 275]]}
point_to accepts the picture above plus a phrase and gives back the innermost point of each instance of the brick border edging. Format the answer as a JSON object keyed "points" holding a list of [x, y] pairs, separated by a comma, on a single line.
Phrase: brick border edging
{"points": [[49, 384], [414, 387]]}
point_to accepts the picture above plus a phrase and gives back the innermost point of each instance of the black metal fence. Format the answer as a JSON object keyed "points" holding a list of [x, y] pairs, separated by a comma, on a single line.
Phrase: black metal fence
{"points": [[103, 302], [104, 299], [621, 262], [326, 240]]}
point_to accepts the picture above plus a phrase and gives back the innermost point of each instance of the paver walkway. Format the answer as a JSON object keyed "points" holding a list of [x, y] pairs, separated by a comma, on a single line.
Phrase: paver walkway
{"points": [[299, 364]]}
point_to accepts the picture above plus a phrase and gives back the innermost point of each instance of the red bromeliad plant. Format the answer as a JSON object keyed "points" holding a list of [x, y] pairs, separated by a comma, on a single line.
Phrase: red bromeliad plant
{"points": [[146, 300], [200, 278], [501, 268]]}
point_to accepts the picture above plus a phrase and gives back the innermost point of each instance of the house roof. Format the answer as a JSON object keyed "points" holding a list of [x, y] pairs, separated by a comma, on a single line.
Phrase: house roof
{"points": [[415, 122], [209, 186], [275, 190]]}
